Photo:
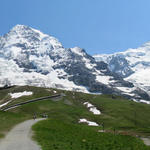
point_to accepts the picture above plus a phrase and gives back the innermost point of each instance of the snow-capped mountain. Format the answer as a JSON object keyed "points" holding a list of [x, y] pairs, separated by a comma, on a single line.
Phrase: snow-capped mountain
{"points": [[133, 65], [30, 57]]}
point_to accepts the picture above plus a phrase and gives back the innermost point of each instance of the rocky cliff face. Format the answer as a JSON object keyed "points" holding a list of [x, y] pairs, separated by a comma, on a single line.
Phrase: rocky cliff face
{"points": [[29, 57], [133, 65]]}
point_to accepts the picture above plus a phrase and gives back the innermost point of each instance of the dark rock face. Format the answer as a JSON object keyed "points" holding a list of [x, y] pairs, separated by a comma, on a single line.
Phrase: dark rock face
{"points": [[42, 57]]}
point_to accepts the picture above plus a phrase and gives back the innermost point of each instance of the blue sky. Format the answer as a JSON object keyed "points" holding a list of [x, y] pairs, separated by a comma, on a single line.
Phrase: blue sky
{"points": [[98, 26]]}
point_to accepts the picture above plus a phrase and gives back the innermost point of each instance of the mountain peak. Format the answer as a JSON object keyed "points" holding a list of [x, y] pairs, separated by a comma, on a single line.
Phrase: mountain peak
{"points": [[78, 51], [25, 40], [147, 44], [20, 27], [24, 30]]}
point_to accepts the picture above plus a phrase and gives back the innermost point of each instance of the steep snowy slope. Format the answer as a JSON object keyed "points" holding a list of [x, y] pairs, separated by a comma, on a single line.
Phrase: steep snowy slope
{"points": [[29, 57], [133, 65]]}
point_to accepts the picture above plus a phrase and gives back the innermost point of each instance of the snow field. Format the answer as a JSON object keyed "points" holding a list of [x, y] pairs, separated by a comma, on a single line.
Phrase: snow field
{"points": [[20, 94], [92, 108]]}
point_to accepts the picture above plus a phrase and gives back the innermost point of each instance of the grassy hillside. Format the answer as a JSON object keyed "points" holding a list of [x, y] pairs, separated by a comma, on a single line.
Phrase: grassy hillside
{"points": [[124, 116], [58, 135]]}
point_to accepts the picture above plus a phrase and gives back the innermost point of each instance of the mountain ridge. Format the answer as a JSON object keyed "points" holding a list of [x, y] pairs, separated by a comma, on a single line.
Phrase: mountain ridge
{"points": [[30, 57], [133, 65]]}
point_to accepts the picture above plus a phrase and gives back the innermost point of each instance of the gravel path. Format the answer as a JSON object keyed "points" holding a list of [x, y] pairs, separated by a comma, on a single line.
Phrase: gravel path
{"points": [[19, 138]]}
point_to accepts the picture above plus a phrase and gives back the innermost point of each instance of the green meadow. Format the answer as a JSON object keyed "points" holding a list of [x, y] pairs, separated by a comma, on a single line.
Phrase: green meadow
{"points": [[122, 119]]}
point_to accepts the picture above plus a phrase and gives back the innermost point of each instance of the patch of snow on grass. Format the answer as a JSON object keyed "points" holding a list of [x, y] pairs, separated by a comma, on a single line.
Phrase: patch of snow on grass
{"points": [[95, 111], [55, 91], [4, 104], [19, 94], [88, 104], [90, 123], [92, 108]]}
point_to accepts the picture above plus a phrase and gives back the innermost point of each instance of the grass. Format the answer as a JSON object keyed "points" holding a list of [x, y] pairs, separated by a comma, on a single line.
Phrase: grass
{"points": [[37, 92], [8, 120], [126, 117], [123, 114], [57, 135], [11, 118]]}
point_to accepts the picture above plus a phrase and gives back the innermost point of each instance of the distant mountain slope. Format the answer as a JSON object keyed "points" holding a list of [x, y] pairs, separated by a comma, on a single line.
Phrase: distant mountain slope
{"points": [[133, 65], [29, 57]]}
